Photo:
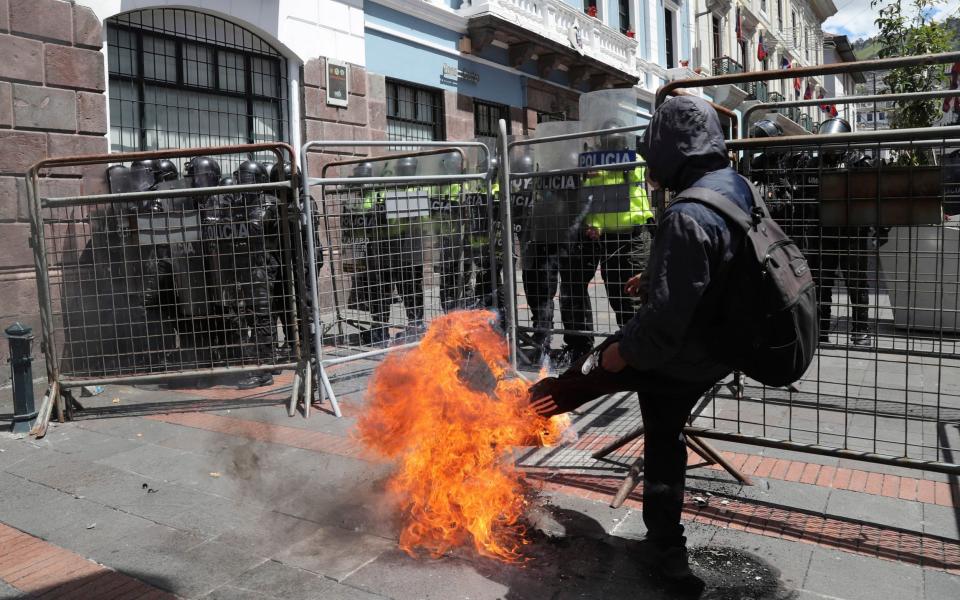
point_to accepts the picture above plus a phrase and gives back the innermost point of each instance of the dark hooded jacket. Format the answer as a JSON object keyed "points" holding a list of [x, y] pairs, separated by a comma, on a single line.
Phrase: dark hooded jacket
{"points": [[675, 330]]}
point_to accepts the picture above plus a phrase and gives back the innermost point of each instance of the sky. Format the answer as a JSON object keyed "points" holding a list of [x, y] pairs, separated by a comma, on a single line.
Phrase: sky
{"points": [[855, 18]]}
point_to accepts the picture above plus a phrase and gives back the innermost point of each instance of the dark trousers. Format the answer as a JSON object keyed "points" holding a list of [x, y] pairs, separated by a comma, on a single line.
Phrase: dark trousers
{"points": [[160, 302], [542, 277], [395, 264], [665, 403], [619, 256], [843, 254], [451, 272], [479, 262]]}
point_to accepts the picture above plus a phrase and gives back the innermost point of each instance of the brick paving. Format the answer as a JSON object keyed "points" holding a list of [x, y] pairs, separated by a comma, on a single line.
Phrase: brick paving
{"points": [[46, 571]]}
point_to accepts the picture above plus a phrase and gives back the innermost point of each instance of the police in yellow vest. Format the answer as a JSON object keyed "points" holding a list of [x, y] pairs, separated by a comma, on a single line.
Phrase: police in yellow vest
{"points": [[483, 223], [449, 222], [395, 258], [617, 230]]}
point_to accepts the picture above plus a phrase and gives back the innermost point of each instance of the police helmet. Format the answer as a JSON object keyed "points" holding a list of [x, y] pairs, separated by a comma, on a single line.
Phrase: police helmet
{"points": [[834, 125], [364, 169], [118, 178], [147, 164], [485, 164], [614, 141], [166, 170], [765, 128], [832, 156], [522, 163], [228, 180], [407, 166], [278, 174], [250, 171], [452, 163], [203, 171]]}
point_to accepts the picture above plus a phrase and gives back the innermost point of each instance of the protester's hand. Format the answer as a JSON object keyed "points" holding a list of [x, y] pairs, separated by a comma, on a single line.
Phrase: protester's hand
{"points": [[611, 360], [593, 234], [541, 397]]}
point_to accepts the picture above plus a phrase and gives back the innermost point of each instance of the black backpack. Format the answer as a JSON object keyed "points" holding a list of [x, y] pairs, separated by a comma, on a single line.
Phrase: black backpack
{"points": [[768, 321]]}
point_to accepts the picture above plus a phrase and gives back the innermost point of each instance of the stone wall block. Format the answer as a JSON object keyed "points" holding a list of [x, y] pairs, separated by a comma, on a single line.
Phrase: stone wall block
{"points": [[22, 58], [20, 150], [91, 113], [314, 73], [15, 245], [9, 199], [77, 145], [358, 80], [377, 87], [50, 187], [47, 19], [87, 29], [74, 67], [44, 108], [377, 114], [6, 104], [4, 15]]}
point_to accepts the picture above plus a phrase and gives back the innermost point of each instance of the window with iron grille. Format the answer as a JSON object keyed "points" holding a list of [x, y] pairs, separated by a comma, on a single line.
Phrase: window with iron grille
{"points": [[414, 113], [486, 117], [182, 79], [547, 117]]}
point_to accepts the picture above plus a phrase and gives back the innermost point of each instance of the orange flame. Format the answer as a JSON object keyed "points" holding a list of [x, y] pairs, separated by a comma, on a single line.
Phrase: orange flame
{"points": [[449, 416]]}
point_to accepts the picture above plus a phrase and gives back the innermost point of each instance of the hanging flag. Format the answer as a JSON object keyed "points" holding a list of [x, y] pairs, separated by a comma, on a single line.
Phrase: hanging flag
{"points": [[740, 37], [761, 51], [808, 93], [796, 87], [954, 84], [784, 63]]}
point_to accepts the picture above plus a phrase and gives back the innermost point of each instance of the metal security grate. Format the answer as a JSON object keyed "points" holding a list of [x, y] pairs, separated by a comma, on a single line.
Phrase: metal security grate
{"points": [[184, 79], [486, 115], [414, 113]]}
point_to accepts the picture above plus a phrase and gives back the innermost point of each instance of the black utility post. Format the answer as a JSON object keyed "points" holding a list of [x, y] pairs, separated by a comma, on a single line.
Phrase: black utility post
{"points": [[21, 371]]}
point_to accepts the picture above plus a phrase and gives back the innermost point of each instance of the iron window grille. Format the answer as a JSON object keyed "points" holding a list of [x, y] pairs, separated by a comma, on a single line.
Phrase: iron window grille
{"points": [[181, 78], [547, 117], [486, 116], [414, 113]]}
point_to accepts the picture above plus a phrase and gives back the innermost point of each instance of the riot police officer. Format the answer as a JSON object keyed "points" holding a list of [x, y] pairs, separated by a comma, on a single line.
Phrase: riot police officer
{"points": [[398, 258], [364, 239], [479, 207], [156, 269], [616, 235], [843, 252], [254, 225], [770, 173], [446, 210]]}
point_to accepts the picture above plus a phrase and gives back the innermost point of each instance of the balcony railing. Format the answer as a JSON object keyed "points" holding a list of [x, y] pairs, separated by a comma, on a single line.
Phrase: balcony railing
{"points": [[757, 90], [724, 65], [559, 22]]}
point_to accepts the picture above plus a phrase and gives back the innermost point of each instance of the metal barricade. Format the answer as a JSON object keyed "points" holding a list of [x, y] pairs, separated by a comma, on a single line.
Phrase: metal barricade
{"points": [[408, 236], [872, 211], [165, 278], [583, 228]]}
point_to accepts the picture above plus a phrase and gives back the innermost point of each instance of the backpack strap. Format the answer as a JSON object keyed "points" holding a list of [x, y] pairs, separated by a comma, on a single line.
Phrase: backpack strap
{"points": [[725, 206]]}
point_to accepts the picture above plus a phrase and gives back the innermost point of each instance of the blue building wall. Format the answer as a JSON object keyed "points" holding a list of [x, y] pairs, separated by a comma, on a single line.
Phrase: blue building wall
{"points": [[408, 60]]}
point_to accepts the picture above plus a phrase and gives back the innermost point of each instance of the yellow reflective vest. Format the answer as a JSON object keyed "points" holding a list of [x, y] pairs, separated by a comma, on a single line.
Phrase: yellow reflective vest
{"points": [[639, 213]]}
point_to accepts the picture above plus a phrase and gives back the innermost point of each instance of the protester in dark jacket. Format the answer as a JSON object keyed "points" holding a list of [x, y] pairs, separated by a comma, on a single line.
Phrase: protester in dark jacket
{"points": [[669, 352]]}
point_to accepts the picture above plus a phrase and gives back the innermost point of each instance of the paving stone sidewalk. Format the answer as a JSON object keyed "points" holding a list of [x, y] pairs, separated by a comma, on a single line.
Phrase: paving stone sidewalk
{"points": [[207, 494]]}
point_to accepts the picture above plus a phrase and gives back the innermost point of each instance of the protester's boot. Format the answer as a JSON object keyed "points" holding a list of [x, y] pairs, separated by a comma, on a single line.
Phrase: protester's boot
{"points": [[665, 550]]}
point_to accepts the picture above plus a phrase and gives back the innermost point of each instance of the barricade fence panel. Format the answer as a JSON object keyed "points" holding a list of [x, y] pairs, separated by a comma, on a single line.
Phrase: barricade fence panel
{"points": [[180, 268], [874, 217], [583, 226], [407, 236]]}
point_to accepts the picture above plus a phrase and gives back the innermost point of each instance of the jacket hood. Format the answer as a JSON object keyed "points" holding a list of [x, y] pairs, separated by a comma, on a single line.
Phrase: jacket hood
{"points": [[683, 141]]}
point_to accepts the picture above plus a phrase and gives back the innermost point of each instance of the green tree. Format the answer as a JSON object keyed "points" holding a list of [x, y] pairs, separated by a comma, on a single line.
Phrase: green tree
{"points": [[907, 28]]}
